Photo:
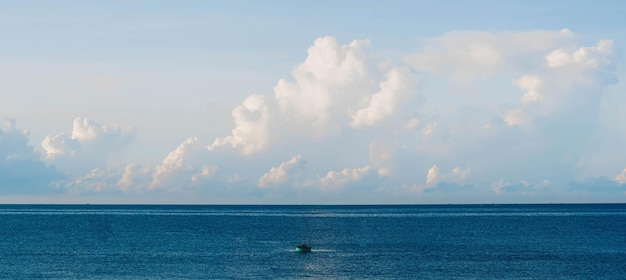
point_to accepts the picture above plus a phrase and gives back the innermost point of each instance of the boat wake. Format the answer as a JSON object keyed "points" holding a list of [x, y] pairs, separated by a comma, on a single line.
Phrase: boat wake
{"points": [[323, 250]]}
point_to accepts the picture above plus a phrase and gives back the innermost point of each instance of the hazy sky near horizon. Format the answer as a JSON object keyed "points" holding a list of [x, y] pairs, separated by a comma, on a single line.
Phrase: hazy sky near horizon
{"points": [[337, 102]]}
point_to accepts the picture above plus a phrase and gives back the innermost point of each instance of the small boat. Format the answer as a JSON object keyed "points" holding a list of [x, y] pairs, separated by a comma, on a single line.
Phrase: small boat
{"points": [[303, 248]]}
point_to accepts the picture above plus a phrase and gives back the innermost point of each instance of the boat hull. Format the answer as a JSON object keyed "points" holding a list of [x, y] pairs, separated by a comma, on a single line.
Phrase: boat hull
{"points": [[303, 249]]}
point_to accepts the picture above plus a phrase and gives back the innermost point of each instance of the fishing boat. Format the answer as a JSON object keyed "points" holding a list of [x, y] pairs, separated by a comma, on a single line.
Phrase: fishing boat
{"points": [[303, 248]]}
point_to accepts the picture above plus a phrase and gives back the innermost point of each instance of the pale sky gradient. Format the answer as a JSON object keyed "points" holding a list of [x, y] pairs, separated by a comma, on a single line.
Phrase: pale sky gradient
{"points": [[323, 102]]}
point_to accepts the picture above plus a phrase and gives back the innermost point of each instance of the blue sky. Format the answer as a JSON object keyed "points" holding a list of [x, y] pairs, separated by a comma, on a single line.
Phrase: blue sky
{"points": [[328, 102]]}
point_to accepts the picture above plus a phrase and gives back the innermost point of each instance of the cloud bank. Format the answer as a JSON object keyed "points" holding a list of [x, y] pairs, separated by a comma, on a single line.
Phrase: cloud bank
{"points": [[21, 170], [467, 113]]}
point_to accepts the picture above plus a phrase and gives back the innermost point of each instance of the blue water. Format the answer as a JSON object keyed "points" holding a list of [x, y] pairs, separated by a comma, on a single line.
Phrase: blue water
{"points": [[349, 242]]}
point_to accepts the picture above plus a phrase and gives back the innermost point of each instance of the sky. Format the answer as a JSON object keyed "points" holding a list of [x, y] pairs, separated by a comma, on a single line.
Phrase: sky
{"points": [[323, 102]]}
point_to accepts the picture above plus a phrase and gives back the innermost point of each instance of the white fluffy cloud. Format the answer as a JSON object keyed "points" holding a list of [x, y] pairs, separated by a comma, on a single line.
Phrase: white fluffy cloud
{"points": [[176, 170], [251, 132], [432, 177], [88, 135], [88, 147], [279, 175], [329, 79], [509, 106], [385, 102], [540, 131], [587, 57], [571, 77], [336, 85], [336, 179], [436, 179], [57, 145], [531, 83], [183, 167]]}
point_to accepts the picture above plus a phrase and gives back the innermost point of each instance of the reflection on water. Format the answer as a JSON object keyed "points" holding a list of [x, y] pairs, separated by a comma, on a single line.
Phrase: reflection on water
{"points": [[247, 242]]}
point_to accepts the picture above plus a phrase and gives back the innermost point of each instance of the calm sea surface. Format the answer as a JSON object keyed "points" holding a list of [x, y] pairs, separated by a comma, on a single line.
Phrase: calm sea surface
{"points": [[349, 242]]}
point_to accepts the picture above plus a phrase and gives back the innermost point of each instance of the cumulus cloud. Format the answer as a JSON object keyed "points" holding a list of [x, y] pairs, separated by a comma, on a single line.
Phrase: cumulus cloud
{"points": [[58, 145], [538, 135], [518, 109], [497, 129], [532, 121], [588, 57], [531, 83], [88, 136], [85, 130], [433, 175], [583, 66], [89, 146], [14, 141], [134, 177], [176, 169], [251, 132], [183, 167], [337, 179], [438, 180], [21, 170], [552, 95], [206, 173], [336, 85], [460, 174], [573, 86], [84, 158], [385, 102], [96, 180], [467, 55], [621, 177], [279, 175], [325, 83]]}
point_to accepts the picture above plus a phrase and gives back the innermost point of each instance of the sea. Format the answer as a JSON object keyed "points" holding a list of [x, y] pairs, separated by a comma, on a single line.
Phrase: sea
{"points": [[547, 241]]}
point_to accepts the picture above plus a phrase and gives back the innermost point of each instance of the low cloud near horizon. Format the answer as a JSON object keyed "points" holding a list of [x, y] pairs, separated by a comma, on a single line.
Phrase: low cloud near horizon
{"points": [[488, 116]]}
